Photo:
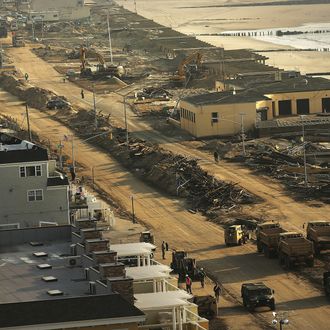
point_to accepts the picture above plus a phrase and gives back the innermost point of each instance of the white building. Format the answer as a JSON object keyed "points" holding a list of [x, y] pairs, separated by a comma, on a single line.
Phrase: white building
{"points": [[32, 192]]}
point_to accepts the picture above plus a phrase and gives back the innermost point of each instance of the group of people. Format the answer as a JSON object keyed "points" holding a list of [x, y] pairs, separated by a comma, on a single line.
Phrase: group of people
{"points": [[202, 275]]}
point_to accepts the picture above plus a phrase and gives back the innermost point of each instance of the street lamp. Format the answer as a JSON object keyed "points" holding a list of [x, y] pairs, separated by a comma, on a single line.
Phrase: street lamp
{"points": [[304, 150]]}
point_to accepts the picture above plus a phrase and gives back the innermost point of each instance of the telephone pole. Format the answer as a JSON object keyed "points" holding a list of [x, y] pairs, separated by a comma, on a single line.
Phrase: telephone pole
{"points": [[28, 121]]}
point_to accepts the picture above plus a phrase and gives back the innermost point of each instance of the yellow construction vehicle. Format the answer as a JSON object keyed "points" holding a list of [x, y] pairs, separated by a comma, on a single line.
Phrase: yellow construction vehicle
{"points": [[236, 235], [102, 68], [188, 67]]}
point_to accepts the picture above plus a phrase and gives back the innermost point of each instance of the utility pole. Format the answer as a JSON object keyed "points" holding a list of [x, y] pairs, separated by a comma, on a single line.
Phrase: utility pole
{"points": [[72, 154], [243, 133], [94, 105], [133, 211], [93, 178], [110, 46], [60, 146], [28, 121], [33, 36], [126, 123], [304, 151], [135, 9]]}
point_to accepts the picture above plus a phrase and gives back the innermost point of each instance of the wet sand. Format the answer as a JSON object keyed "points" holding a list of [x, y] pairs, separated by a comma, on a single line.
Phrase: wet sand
{"points": [[179, 16]]}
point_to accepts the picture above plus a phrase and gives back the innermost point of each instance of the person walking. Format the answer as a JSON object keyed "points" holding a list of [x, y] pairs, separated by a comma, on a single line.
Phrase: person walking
{"points": [[202, 276], [217, 292], [216, 156], [82, 94], [188, 284], [163, 250], [166, 246]]}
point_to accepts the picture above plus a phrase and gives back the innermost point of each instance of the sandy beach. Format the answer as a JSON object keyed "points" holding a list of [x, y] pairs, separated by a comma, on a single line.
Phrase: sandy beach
{"points": [[203, 17]]}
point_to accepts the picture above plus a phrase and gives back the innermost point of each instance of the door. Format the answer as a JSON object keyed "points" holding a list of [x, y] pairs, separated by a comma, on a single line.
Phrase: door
{"points": [[303, 107], [326, 104], [284, 108]]}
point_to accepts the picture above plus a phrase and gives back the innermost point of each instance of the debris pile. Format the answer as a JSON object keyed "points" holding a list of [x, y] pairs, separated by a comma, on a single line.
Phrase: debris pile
{"points": [[283, 159], [179, 176]]}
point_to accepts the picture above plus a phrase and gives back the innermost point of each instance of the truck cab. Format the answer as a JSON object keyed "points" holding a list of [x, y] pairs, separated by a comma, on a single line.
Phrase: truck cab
{"points": [[147, 237], [236, 235], [319, 233], [257, 295], [326, 283]]}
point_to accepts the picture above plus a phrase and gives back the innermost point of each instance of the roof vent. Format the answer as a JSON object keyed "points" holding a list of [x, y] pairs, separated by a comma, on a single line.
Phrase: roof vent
{"points": [[40, 254], [55, 292], [49, 279], [44, 266], [34, 243]]}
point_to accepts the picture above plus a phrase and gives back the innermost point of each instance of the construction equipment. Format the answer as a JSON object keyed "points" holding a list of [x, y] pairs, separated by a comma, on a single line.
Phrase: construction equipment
{"points": [[257, 295], [188, 68], [236, 235], [319, 233], [207, 306], [17, 40], [267, 238], [182, 265], [102, 68], [326, 283], [294, 248], [147, 237]]}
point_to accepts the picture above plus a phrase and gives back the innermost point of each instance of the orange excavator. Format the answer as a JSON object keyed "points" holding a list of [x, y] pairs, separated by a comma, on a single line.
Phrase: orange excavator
{"points": [[188, 67]]}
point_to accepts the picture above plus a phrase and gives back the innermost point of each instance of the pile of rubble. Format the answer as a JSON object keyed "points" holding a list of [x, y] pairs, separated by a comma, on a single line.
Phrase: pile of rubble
{"points": [[178, 175], [283, 159]]}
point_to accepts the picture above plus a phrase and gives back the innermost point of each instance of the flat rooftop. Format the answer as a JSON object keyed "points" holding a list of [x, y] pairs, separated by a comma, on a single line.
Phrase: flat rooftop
{"points": [[21, 279]]}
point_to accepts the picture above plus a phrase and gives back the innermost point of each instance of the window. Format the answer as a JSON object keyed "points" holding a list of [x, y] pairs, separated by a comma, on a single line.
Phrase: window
{"points": [[25, 171], [35, 195], [214, 118]]}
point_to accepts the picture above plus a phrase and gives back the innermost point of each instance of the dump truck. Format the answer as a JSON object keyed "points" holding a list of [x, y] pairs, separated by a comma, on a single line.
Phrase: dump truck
{"points": [[257, 295], [236, 235], [268, 234], [294, 248], [207, 306], [319, 233], [326, 283]]}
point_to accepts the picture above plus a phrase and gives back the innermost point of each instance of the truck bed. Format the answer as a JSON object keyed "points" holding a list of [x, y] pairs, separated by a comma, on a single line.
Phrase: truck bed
{"points": [[297, 247]]}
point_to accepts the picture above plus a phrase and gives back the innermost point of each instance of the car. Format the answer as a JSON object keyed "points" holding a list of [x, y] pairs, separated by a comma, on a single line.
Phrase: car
{"points": [[257, 295], [58, 103]]}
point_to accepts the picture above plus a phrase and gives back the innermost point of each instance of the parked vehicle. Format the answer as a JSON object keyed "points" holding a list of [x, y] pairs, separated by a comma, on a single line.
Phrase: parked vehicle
{"points": [[147, 237], [268, 234], [326, 283], [207, 306], [257, 295], [236, 235], [319, 233], [58, 103], [294, 248], [183, 265]]}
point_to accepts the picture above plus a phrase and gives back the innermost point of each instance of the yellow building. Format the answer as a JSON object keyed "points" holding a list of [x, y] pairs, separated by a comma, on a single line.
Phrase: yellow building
{"points": [[298, 95], [220, 113]]}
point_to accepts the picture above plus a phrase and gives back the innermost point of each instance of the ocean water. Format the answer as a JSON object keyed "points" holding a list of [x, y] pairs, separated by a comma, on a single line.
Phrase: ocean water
{"points": [[313, 36]]}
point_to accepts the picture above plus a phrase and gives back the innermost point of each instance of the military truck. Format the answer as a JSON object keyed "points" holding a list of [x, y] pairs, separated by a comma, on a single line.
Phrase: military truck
{"points": [[257, 295], [319, 233], [183, 265], [267, 238], [294, 248], [236, 235], [18, 40], [326, 283]]}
